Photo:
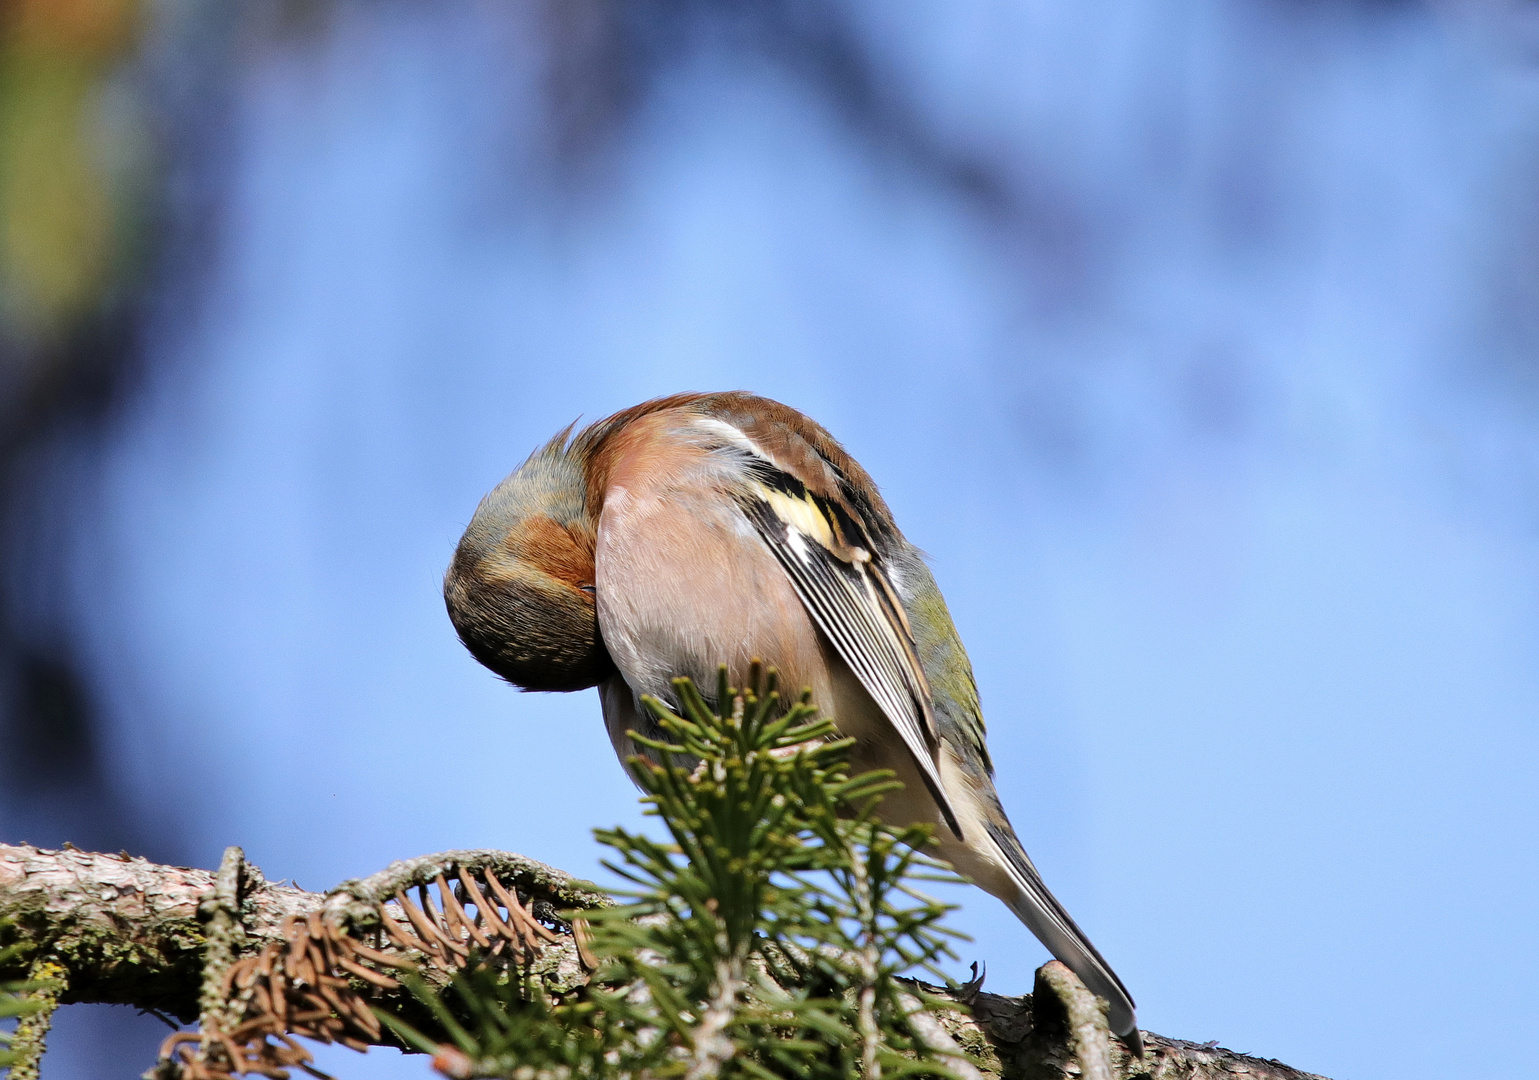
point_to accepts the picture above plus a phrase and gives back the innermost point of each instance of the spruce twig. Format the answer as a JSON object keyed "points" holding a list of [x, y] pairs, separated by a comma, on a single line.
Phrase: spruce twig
{"points": [[764, 937], [47, 979]]}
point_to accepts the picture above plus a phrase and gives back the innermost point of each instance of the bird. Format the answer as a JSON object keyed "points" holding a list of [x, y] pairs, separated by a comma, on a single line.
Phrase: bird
{"points": [[707, 528]]}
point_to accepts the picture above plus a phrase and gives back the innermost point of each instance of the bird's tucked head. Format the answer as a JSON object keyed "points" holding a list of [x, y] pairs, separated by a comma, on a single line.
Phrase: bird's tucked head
{"points": [[520, 588]]}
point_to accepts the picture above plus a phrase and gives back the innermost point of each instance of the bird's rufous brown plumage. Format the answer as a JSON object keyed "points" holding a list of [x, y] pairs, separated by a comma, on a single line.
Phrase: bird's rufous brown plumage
{"points": [[702, 529]]}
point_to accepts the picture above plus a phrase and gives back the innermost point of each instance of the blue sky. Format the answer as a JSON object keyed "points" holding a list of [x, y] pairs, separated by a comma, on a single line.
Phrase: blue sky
{"points": [[1222, 442]]}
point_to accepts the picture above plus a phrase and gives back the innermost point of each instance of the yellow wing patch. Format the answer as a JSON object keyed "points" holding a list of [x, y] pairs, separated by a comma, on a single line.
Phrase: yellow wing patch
{"points": [[849, 597], [802, 514]]}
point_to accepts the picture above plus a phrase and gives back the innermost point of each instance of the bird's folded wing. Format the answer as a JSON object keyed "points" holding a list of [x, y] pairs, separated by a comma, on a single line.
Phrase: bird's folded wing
{"points": [[852, 601], [1040, 910]]}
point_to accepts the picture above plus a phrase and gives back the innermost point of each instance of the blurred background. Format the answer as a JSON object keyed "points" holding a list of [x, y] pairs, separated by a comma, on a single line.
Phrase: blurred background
{"points": [[1197, 341]]}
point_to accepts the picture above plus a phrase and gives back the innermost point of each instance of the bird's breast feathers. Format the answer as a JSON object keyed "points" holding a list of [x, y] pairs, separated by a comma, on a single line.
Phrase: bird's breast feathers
{"points": [[677, 491]]}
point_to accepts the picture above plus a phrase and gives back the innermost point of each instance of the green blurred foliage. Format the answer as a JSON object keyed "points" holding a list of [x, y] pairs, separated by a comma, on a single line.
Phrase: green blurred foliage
{"points": [[71, 165], [14, 1000]]}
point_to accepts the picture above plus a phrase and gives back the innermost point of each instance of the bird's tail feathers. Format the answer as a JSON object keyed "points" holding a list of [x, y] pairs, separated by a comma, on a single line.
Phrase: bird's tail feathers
{"points": [[1040, 910]]}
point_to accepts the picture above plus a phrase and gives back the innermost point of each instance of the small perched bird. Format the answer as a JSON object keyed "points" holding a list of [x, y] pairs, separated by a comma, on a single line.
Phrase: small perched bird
{"points": [[702, 529]]}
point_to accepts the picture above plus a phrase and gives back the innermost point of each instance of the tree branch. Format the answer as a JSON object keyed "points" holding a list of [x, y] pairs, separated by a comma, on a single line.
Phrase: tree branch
{"points": [[127, 931]]}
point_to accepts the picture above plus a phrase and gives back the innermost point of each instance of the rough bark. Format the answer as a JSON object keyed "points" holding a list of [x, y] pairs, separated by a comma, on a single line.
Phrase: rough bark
{"points": [[132, 932], [111, 928], [127, 930]]}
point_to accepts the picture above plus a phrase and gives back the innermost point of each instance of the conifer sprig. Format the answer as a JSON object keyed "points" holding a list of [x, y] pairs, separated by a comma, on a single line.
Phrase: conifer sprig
{"points": [[15, 1002], [764, 938]]}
